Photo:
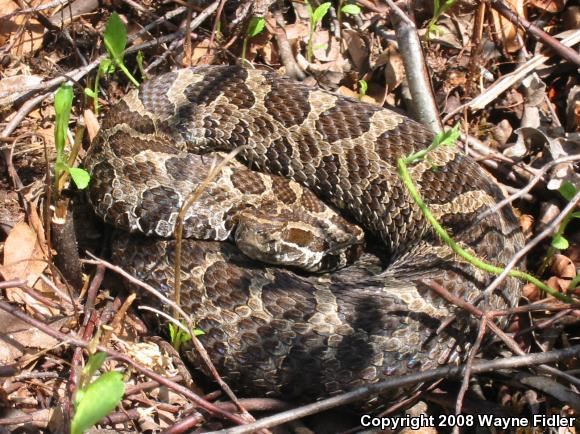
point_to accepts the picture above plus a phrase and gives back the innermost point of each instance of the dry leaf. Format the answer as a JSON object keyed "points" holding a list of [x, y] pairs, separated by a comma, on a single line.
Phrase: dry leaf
{"points": [[394, 67], [26, 41], [548, 5], [527, 225], [357, 49], [505, 30], [16, 336], [531, 292], [92, 124], [23, 259]]}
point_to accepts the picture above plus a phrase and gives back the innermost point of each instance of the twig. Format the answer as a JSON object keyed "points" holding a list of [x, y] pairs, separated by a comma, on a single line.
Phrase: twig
{"points": [[400, 382], [564, 51], [505, 82], [123, 358], [522, 191], [286, 54], [417, 75], [43, 7], [191, 199], [520, 254], [176, 308], [468, 366], [510, 343]]}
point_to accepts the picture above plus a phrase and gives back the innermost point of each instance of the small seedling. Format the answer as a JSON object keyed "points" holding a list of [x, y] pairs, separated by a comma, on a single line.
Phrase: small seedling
{"points": [[362, 89], [62, 107], [350, 9], [559, 241], [316, 16], [178, 336], [255, 27], [448, 139], [96, 399], [115, 39], [439, 9]]}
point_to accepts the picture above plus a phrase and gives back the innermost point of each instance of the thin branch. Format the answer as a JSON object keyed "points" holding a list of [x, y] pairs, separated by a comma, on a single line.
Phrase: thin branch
{"points": [[564, 51], [40, 8], [123, 358], [551, 228], [419, 82], [399, 382], [523, 191], [508, 80]]}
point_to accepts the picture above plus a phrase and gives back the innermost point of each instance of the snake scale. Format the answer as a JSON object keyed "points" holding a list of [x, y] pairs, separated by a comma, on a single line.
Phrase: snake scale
{"points": [[314, 168]]}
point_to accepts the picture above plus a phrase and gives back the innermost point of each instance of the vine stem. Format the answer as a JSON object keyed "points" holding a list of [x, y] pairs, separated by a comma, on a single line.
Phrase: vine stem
{"points": [[446, 238]]}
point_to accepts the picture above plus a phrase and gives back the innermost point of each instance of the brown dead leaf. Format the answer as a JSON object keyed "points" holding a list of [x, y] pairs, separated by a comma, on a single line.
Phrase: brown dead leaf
{"points": [[201, 51], [527, 225], [23, 32], [564, 271], [16, 336], [559, 285], [92, 124], [563, 267], [531, 292], [394, 68], [548, 5], [357, 48], [23, 259], [505, 30], [324, 47]]}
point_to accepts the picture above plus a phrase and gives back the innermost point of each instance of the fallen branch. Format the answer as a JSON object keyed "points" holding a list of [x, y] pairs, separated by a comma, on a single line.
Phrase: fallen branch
{"points": [[404, 381], [564, 51]]}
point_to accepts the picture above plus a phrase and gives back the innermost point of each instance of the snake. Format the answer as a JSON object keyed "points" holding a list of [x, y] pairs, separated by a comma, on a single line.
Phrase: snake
{"points": [[305, 261]]}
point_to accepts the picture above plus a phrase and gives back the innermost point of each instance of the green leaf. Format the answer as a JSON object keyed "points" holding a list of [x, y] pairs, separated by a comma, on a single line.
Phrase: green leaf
{"points": [[447, 138], [560, 243], [567, 190], [107, 66], [446, 6], [351, 9], [93, 364], [97, 400], [256, 26], [90, 92], [115, 36], [362, 88], [80, 177], [320, 12], [62, 107], [140, 65]]}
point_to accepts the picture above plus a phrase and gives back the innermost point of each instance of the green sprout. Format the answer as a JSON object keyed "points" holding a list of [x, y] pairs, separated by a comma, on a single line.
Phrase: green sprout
{"points": [[115, 39], [178, 336], [255, 27], [316, 16], [350, 9], [439, 9], [96, 399], [448, 139], [363, 86], [62, 107]]}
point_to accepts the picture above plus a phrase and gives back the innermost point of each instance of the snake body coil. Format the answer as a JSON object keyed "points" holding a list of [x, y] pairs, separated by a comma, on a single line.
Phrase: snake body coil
{"points": [[270, 330]]}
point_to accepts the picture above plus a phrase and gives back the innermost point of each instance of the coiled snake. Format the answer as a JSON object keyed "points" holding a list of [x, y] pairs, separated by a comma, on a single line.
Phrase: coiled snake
{"points": [[268, 329]]}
